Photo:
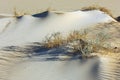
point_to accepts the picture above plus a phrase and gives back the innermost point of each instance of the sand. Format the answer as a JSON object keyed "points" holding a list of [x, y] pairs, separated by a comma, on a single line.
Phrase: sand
{"points": [[33, 6], [54, 70]]}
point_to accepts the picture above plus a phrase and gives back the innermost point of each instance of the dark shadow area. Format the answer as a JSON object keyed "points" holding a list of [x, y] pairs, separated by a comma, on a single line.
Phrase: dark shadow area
{"points": [[95, 71], [41, 15], [19, 17], [118, 18], [13, 49], [38, 50]]}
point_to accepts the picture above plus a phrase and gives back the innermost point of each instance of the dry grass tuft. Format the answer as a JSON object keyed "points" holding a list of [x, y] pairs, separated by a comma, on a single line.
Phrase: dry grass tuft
{"points": [[18, 13], [76, 35], [101, 38], [103, 9], [54, 40], [79, 42]]}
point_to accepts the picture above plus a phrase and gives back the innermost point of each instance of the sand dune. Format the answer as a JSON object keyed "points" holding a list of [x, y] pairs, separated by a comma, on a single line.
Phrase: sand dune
{"points": [[36, 63], [27, 28]]}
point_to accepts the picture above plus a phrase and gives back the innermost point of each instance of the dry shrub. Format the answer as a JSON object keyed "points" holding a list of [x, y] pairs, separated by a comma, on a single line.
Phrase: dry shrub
{"points": [[18, 13], [79, 42], [99, 42], [54, 40], [96, 39], [76, 35], [103, 9], [85, 45]]}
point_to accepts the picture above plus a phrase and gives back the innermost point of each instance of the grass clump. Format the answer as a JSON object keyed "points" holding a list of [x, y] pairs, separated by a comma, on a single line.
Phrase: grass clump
{"points": [[18, 13], [54, 40], [79, 42], [85, 45], [103, 9]]}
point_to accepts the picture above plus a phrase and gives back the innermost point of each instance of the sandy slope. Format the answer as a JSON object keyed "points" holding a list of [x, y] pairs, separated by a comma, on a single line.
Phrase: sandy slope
{"points": [[26, 29], [34, 29], [54, 70]]}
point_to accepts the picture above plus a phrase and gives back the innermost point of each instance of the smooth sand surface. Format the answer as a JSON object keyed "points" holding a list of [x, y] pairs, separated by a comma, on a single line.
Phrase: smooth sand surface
{"points": [[54, 70], [33, 6]]}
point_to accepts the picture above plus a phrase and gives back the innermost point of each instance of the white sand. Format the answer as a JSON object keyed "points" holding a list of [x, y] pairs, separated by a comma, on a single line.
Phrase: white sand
{"points": [[54, 70], [30, 29]]}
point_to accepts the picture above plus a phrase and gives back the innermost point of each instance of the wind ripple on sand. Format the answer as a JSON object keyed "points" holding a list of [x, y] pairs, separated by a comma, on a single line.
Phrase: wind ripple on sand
{"points": [[109, 68]]}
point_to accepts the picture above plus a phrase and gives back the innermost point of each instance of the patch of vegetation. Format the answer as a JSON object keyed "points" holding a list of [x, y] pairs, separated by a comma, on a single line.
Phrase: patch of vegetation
{"points": [[103, 9], [54, 40], [79, 42], [18, 13]]}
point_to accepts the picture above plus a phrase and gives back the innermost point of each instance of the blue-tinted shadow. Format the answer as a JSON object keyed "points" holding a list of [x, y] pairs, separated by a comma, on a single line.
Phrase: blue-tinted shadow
{"points": [[41, 15]]}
